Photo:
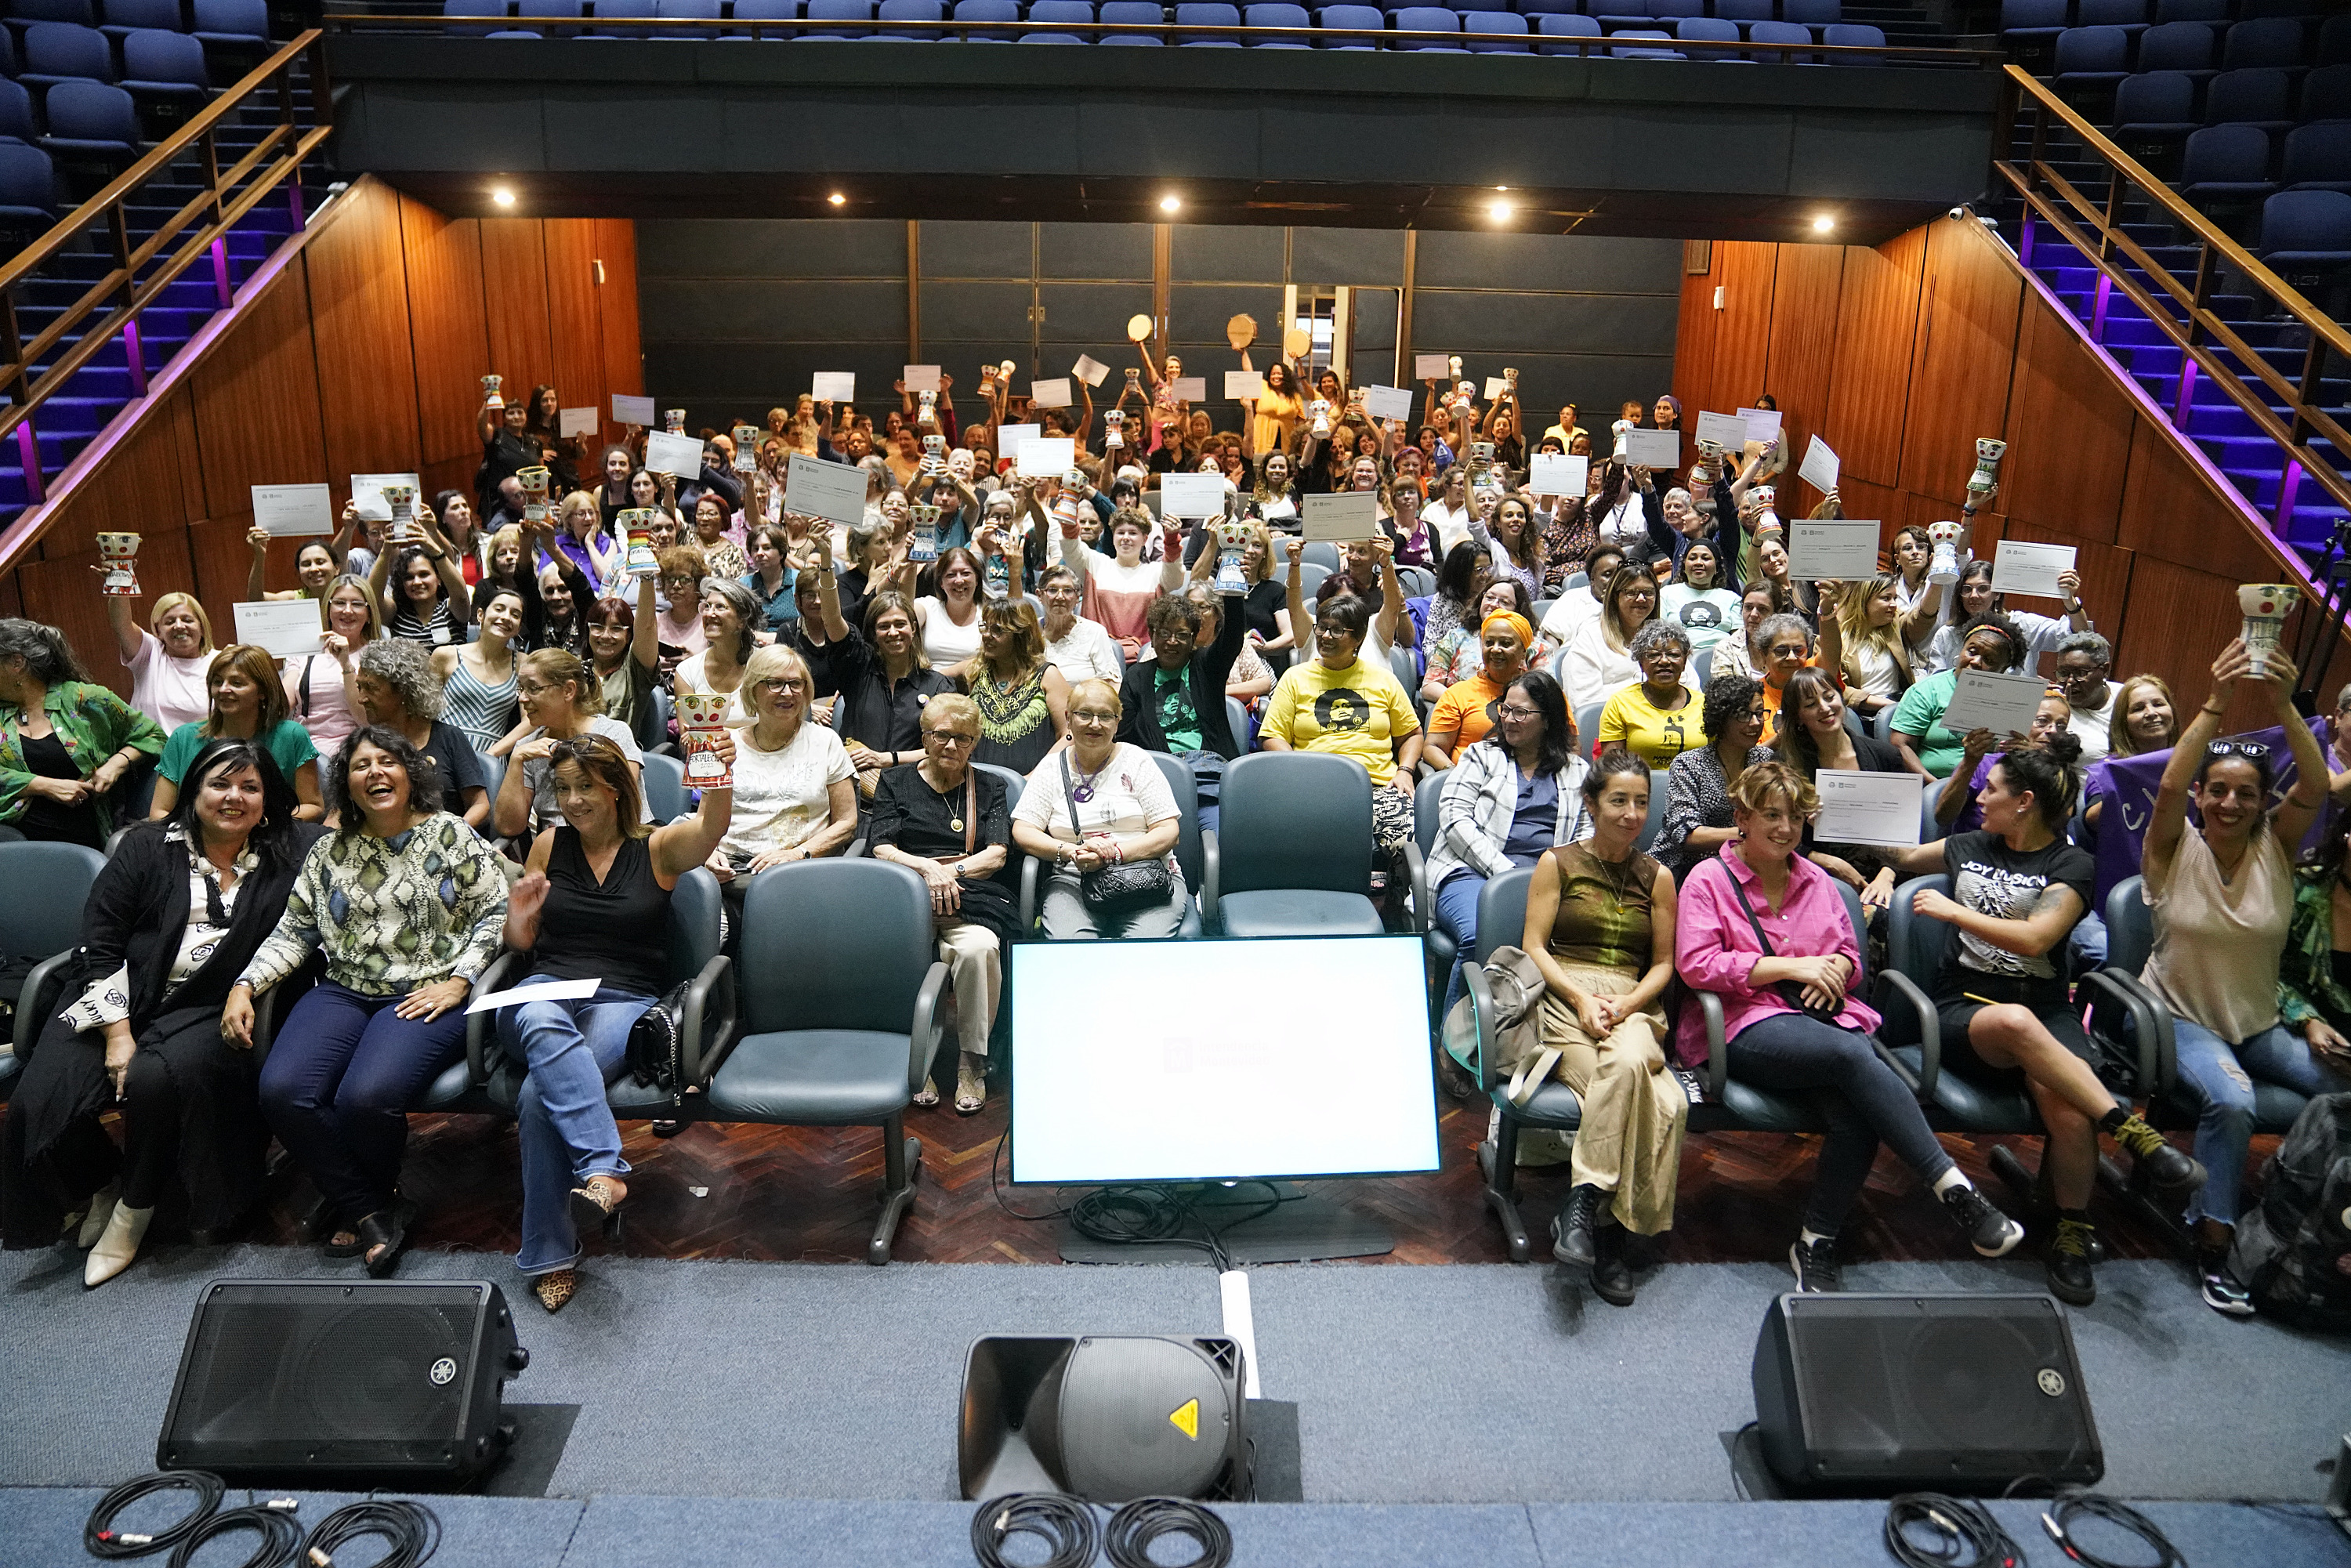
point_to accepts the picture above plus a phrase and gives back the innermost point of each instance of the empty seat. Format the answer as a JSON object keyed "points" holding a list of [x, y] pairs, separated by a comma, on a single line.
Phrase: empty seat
{"points": [[975, 11], [2190, 11], [91, 119], [2335, 41], [1353, 20], [2327, 94], [1854, 36], [1780, 33], [1135, 14], [1209, 14], [852, 11], [2130, 15], [2249, 98], [1708, 30], [2306, 232], [1812, 12], [1494, 32], [480, 8], [2271, 41], [2318, 157], [1064, 10], [2030, 22], [1743, 10], [28, 187], [125, 15], [2179, 46], [237, 25], [1615, 14], [2154, 111], [16, 123], [683, 11], [164, 67], [912, 10], [2092, 57], [7, 54], [2226, 163], [1565, 30], [1642, 44], [65, 51], [1425, 20]]}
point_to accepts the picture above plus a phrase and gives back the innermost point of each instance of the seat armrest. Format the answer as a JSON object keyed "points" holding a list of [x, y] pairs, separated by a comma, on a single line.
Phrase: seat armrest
{"points": [[1481, 1011], [709, 1005], [1718, 1047], [1897, 988], [498, 977], [2154, 1063], [856, 850], [1416, 871], [923, 1040], [1211, 874], [1028, 895], [33, 1006]]}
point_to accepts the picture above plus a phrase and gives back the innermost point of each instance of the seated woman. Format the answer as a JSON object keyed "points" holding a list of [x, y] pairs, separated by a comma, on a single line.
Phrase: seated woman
{"points": [[1765, 930], [1990, 642], [1600, 926], [1078, 647], [1459, 600], [66, 743], [406, 903], [1861, 639], [2223, 901], [1120, 588], [1812, 736], [1464, 715], [248, 704], [731, 622], [420, 591], [1699, 603], [179, 909], [1461, 652], [319, 685], [1504, 804], [2017, 888], [1697, 820], [1598, 663], [398, 689], [949, 821], [1250, 680], [1954, 803], [1172, 698], [624, 654], [1024, 702], [477, 678], [593, 905], [561, 701], [1654, 718], [795, 787], [1123, 812]]}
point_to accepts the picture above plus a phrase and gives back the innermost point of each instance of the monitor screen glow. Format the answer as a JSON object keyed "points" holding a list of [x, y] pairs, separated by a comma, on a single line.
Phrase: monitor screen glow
{"points": [[1218, 1061]]}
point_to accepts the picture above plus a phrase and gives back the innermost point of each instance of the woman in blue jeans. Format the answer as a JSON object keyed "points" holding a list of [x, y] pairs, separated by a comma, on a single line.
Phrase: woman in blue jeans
{"points": [[593, 905], [2223, 899], [406, 902]]}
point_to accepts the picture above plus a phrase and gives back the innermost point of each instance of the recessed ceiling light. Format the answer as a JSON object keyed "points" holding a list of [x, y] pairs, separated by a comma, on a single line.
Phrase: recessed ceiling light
{"points": [[503, 197], [837, 198], [1823, 224], [1500, 212], [1170, 204]]}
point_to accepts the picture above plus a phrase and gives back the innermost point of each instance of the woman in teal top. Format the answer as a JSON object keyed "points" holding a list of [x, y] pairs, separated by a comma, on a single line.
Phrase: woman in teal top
{"points": [[1990, 642], [248, 704]]}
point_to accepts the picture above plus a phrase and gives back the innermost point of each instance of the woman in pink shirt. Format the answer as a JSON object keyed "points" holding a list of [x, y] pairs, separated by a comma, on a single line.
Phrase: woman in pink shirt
{"points": [[1766, 930]]}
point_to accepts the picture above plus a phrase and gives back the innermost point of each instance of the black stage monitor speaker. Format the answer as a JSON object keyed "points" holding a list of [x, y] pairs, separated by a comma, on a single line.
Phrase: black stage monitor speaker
{"points": [[301, 1380], [1870, 1395], [1105, 1417]]}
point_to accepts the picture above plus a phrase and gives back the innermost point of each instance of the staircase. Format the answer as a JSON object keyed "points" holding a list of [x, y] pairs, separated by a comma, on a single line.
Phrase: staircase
{"points": [[69, 422]]}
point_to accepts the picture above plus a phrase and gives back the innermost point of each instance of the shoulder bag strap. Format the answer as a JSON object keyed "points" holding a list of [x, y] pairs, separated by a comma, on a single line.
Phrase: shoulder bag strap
{"points": [[1070, 793], [970, 808]]}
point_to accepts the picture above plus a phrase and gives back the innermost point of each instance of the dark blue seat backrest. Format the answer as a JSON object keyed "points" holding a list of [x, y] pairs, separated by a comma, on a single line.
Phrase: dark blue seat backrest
{"points": [[48, 885], [77, 11], [2156, 98], [2261, 94], [27, 178], [2176, 46], [2111, 13], [235, 18], [2268, 41], [2318, 153], [68, 49], [157, 57], [2237, 154], [2306, 221], [15, 112], [164, 14], [2092, 49], [93, 111], [2326, 93], [835, 944], [2034, 14], [1295, 819]]}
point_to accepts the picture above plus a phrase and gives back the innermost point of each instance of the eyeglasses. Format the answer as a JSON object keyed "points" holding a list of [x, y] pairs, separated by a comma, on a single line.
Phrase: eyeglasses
{"points": [[949, 737], [678, 582], [1507, 711], [2245, 749], [1093, 716], [534, 688], [781, 687]]}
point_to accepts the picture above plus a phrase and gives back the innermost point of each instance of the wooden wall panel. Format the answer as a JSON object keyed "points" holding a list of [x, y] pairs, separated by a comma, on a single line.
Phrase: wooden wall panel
{"points": [[448, 333], [1694, 346], [1967, 343], [256, 402], [624, 360], [574, 312], [1742, 330], [2179, 618], [2074, 484], [1802, 347], [367, 373], [2169, 511], [514, 296], [1876, 327]]}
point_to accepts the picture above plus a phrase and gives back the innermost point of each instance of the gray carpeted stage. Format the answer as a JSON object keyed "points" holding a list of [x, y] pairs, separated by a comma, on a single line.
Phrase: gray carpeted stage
{"points": [[1428, 1384]]}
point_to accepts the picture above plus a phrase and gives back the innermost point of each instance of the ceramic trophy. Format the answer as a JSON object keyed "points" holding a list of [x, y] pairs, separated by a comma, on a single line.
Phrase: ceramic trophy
{"points": [[116, 551], [636, 526], [2266, 605], [1322, 408], [1133, 383], [1232, 539], [927, 412], [534, 483], [935, 453], [1453, 366], [491, 396], [701, 720], [401, 499], [1986, 478], [1065, 502], [1945, 566], [1482, 459], [674, 420], [926, 543], [1114, 430], [747, 448], [1763, 514]]}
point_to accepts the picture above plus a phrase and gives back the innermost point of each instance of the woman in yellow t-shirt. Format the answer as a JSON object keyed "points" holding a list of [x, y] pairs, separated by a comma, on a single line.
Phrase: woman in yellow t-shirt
{"points": [[1343, 703], [1656, 717]]}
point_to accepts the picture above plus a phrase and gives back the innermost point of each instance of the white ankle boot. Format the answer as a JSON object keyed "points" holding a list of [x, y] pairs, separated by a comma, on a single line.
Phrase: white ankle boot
{"points": [[100, 1211], [116, 1248]]}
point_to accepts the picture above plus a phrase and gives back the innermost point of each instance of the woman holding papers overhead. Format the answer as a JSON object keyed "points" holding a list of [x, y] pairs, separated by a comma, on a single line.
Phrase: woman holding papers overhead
{"points": [[247, 704], [1975, 596], [885, 680], [1120, 587], [593, 905], [406, 903], [1766, 932], [2223, 901], [1989, 643]]}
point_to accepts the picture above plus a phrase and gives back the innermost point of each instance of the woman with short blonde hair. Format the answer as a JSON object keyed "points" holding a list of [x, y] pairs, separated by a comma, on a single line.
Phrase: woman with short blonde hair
{"points": [[561, 700], [795, 787], [1100, 802]]}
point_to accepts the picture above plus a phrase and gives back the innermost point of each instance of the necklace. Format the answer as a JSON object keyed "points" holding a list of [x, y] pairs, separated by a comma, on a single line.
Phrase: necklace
{"points": [[1618, 874], [1084, 790]]}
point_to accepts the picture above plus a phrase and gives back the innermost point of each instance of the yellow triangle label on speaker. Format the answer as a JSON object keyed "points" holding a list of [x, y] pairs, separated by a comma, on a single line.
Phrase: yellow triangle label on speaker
{"points": [[1185, 1418]]}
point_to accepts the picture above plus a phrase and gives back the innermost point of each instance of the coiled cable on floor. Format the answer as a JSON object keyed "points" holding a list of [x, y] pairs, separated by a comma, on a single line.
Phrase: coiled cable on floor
{"points": [[280, 1533], [1963, 1524], [1065, 1523], [412, 1533], [1128, 1539], [100, 1538], [2059, 1522]]}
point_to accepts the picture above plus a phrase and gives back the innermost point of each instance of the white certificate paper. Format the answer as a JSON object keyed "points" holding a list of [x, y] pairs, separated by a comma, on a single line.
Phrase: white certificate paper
{"points": [[1820, 466], [1553, 474], [367, 489], [2031, 569], [920, 378], [1054, 393], [1842, 547], [1762, 423], [1044, 456], [1091, 371], [1192, 496], [1009, 437], [577, 422], [1191, 389], [2003, 704], [1867, 807], [833, 491], [289, 509], [283, 628], [1658, 450], [678, 455], [636, 411], [833, 386], [1431, 367], [545, 992], [1241, 384], [1726, 430], [1350, 515], [1496, 386], [1387, 403]]}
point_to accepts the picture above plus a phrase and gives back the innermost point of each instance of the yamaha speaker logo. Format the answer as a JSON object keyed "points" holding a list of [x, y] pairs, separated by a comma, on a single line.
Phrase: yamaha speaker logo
{"points": [[2052, 1382], [446, 1369]]}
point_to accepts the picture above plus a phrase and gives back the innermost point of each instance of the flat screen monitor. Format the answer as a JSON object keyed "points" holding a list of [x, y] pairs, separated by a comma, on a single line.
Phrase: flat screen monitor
{"points": [[1214, 1061]]}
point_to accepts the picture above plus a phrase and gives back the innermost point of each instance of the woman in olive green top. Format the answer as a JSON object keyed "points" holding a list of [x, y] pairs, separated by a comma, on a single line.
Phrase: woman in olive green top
{"points": [[65, 743]]}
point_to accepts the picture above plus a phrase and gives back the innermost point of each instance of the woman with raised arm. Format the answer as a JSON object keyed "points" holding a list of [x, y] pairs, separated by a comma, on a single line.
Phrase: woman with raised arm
{"points": [[883, 680], [65, 741], [421, 592], [393, 685], [318, 694], [2223, 901], [593, 905], [1120, 587], [313, 569], [169, 665], [1861, 640], [248, 704], [624, 655]]}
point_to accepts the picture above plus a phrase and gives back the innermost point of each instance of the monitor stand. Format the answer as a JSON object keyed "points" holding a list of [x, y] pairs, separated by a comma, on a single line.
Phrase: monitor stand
{"points": [[1304, 1229]]}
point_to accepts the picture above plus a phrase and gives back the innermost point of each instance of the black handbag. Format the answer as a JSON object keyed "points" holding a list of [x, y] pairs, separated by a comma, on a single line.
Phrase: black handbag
{"points": [[656, 1052], [1123, 888], [1790, 992]]}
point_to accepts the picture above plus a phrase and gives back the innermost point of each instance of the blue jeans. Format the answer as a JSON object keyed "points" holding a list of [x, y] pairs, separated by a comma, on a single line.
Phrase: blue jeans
{"points": [[2089, 941], [571, 1050], [1456, 914], [336, 1090], [2219, 1082]]}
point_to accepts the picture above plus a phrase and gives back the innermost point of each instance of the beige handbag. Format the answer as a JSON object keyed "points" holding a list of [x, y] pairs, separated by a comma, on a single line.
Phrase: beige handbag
{"points": [[1516, 985]]}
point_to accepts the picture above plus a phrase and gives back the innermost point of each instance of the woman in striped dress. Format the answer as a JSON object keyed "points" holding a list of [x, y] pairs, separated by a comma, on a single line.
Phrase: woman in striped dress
{"points": [[478, 678]]}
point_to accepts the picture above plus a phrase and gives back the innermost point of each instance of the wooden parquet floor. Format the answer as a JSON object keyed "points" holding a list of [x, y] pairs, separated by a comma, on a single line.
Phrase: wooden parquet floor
{"points": [[810, 1195]]}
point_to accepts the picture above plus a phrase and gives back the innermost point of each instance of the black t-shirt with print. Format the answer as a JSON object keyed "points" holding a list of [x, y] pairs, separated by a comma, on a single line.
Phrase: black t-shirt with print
{"points": [[1990, 878]]}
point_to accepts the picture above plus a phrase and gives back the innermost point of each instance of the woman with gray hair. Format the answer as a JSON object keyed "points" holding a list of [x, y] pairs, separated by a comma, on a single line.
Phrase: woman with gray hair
{"points": [[396, 688], [1656, 717], [732, 616]]}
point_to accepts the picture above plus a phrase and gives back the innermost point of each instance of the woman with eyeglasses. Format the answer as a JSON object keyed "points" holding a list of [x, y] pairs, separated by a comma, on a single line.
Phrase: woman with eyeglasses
{"points": [[561, 701], [731, 619], [1698, 817], [593, 905], [1598, 662], [1075, 645], [1654, 718], [795, 787], [949, 822], [1464, 715], [1124, 812], [2223, 903]]}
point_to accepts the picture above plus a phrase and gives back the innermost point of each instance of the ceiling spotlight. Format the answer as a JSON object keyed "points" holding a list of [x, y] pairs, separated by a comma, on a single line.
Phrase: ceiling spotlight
{"points": [[1501, 187], [837, 198], [1823, 224], [1500, 212], [1170, 204], [502, 196]]}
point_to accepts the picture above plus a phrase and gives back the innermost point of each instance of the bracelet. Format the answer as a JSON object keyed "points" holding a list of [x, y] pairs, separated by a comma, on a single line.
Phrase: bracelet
{"points": [[2215, 712]]}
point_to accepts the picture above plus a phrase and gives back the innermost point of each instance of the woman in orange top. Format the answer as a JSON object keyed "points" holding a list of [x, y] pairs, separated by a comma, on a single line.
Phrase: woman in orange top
{"points": [[1464, 715]]}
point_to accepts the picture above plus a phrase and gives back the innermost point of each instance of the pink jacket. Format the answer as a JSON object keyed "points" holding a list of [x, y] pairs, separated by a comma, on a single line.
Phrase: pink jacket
{"points": [[1715, 948]]}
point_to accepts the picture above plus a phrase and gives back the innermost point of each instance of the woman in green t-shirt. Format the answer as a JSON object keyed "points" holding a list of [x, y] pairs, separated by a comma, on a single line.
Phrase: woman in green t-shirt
{"points": [[1990, 642], [248, 703]]}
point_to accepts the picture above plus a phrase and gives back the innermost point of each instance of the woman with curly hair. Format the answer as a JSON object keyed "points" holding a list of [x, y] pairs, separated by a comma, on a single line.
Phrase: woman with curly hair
{"points": [[398, 689]]}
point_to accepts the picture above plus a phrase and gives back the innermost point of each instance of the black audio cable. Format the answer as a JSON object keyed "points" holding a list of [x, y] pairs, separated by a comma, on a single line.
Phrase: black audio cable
{"points": [[1064, 1524], [280, 1533], [1133, 1528], [1962, 1526], [411, 1531], [100, 1538], [2059, 1520]]}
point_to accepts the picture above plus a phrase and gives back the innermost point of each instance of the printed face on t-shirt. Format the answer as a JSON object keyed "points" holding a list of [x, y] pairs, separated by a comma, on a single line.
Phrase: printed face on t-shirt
{"points": [[1699, 614], [1342, 708]]}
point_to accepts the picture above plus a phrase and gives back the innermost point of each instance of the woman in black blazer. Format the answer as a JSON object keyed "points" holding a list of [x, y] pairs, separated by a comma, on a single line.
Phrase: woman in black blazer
{"points": [[180, 907]]}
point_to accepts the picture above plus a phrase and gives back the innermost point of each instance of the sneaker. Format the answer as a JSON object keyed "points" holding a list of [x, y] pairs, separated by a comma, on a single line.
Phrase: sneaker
{"points": [[1571, 1231], [1611, 1276], [2070, 1279], [2222, 1293], [1990, 1232], [1815, 1266], [2175, 1173]]}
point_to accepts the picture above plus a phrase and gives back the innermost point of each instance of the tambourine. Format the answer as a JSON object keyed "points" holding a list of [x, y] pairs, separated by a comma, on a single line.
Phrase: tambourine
{"points": [[1138, 328], [1241, 330]]}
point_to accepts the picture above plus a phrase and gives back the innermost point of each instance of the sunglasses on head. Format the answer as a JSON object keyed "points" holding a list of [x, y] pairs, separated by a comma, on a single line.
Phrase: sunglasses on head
{"points": [[2251, 749]]}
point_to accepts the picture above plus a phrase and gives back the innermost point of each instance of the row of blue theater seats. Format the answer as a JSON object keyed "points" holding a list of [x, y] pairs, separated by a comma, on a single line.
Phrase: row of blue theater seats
{"points": [[148, 60], [2164, 106], [2028, 20], [2095, 56], [221, 21], [1611, 13]]}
